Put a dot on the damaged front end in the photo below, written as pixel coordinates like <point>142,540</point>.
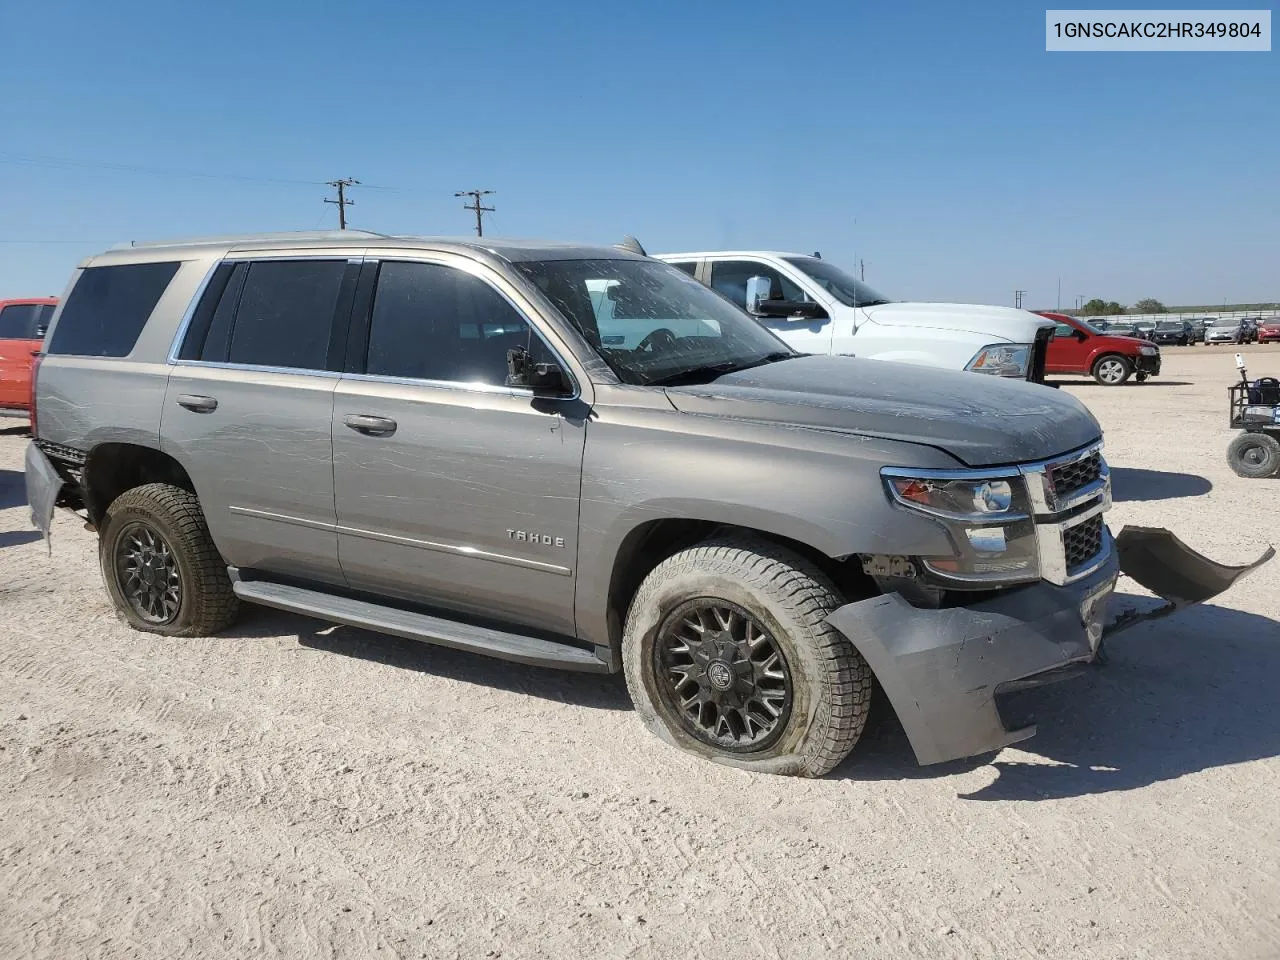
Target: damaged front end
<point>942,665</point>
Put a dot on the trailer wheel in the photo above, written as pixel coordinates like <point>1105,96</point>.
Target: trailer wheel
<point>729,656</point>
<point>1254,455</point>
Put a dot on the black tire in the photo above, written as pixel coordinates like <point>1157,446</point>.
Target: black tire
<point>829,684</point>
<point>167,521</point>
<point>1254,455</point>
<point>1112,369</point>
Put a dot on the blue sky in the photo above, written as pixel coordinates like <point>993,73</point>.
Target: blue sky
<point>938,142</point>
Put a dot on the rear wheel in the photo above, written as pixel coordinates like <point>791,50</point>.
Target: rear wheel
<point>728,655</point>
<point>1254,455</point>
<point>160,565</point>
<point>1112,370</point>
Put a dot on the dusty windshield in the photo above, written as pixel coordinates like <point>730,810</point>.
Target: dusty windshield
<point>652,323</point>
<point>845,288</point>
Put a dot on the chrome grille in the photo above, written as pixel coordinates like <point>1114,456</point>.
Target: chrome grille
<point>1067,478</point>
<point>1082,542</point>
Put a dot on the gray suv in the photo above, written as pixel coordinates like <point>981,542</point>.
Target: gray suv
<point>581,458</point>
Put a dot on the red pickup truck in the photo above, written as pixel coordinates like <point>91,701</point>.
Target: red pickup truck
<point>22,326</point>
<point>1077,348</point>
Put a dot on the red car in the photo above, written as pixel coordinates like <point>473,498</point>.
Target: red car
<point>22,326</point>
<point>1077,348</point>
<point>1269,330</point>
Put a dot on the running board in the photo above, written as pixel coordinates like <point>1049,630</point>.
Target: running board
<point>420,626</point>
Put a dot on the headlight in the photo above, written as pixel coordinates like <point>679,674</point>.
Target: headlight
<point>1149,351</point>
<point>1002,360</point>
<point>988,520</point>
<point>979,500</point>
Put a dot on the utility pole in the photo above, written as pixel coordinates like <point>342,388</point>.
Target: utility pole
<point>1017,298</point>
<point>475,206</point>
<point>1059,307</point>
<point>342,200</point>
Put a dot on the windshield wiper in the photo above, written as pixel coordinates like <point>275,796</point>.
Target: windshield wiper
<point>709,372</point>
<point>874,303</point>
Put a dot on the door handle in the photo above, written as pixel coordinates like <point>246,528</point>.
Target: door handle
<point>370,425</point>
<point>197,404</point>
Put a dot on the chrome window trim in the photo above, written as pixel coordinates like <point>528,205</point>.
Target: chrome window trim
<point>176,346</point>
<point>256,368</point>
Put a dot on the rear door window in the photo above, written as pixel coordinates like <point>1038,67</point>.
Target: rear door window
<point>285,314</point>
<point>108,307</point>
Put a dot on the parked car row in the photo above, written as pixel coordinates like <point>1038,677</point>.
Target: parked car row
<point>584,458</point>
<point>1190,331</point>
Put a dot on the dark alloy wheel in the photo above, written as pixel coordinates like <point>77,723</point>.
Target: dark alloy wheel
<point>722,675</point>
<point>147,573</point>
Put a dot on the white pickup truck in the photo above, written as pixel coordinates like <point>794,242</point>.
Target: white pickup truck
<point>818,308</point>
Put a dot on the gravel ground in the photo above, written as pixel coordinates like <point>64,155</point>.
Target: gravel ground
<point>296,790</point>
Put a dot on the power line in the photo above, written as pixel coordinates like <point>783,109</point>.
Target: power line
<point>475,205</point>
<point>342,200</point>
<point>35,160</point>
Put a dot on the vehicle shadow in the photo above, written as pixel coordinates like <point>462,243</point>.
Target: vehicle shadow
<point>15,431</point>
<point>1137,484</point>
<point>13,489</point>
<point>12,538</point>
<point>1176,696</point>
<point>1090,382</point>
<point>597,691</point>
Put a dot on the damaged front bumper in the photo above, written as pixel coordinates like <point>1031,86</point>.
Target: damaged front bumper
<point>943,668</point>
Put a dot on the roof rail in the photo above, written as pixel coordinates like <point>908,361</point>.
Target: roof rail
<point>250,238</point>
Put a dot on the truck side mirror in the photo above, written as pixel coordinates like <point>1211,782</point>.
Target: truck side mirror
<point>791,309</point>
<point>542,378</point>
<point>757,291</point>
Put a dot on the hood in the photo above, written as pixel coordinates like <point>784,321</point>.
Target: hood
<point>980,420</point>
<point>999,323</point>
<point>1128,338</point>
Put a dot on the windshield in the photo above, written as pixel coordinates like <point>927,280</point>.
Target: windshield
<point>850,292</point>
<point>1101,330</point>
<point>1168,325</point>
<point>652,323</point>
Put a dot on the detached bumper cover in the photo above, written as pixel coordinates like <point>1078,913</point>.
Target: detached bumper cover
<point>43,487</point>
<point>942,669</point>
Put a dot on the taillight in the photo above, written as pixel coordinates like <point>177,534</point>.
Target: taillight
<point>35,371</point>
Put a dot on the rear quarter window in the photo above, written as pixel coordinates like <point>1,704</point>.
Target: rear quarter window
<point>108,307</point>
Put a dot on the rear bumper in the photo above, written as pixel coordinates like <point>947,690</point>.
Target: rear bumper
<point>944,669</point>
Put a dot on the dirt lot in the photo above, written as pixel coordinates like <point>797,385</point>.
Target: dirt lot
<point>296,790</point>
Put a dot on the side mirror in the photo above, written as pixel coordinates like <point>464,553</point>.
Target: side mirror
<point>544,378</point>
<point>1081,335</point>
<point>791,309</point>
<point>757,291</point>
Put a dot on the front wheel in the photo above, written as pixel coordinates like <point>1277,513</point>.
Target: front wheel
<point>728,655</point>
<point>1112,370</point>
<point>160,565</point>
<point>1254,455</point>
